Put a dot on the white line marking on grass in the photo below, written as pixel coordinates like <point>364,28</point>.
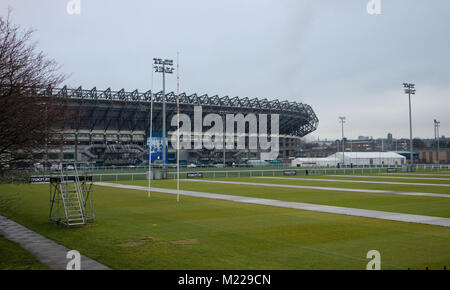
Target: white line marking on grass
<point>395,177</point>
<point>323,187</point>
<point>357,181</point>
<point>410,218</point>
<point>414,174</point>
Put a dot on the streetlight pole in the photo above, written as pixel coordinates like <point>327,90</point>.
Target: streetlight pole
<point>163,66</point>
<point>410,90</point>
<point>343,142</point>
<point>437,124</point>
<point>223,140</point>
<point>435,138</point>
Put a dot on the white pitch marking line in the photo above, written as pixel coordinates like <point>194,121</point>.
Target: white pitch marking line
<point>322,187</point>
<point>395,177</point>
<point>414,174</point>
<point>358,181</point>
<point>410,218</point>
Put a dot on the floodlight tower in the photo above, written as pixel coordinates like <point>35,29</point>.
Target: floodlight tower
<point>163,66</point>
<point>342,120</point>
<point>410,90</point>
<point>437,124</point>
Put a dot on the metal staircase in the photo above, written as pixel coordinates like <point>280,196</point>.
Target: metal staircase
<point>72,198</point>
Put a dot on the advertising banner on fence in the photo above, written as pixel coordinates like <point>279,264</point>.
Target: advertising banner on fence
<point>290,172</point>
<point>194,175</point>
<point>40,179</point>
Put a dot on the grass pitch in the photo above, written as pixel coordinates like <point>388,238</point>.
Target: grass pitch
<point>431,206</point>
<point>134,232</point>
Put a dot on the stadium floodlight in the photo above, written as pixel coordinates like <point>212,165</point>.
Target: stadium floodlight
<point>410,90</point>
<point>164,67</point>
<point>342,120</point>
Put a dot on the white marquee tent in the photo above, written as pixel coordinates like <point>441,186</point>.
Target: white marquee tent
<point>370,158</point>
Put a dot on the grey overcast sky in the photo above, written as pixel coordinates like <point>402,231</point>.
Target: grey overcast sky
<point>329,54</point>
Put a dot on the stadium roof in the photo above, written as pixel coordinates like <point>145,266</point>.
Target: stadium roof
<point>296,118</point>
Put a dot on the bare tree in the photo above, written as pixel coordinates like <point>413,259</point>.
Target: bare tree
<point>27,107</point>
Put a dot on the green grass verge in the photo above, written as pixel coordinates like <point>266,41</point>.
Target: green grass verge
<point>14,257</point>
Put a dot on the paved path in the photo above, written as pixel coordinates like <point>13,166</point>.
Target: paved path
<point>322,187</point>
<point>395,177</point>
<point>411,218</point>
<point>45,250</point>
<point>359,181</point>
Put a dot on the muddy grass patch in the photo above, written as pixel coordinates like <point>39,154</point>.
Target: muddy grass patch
<point>151,239</point>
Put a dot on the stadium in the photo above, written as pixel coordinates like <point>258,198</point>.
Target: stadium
<point>111,127</point>
<point>87,184</point>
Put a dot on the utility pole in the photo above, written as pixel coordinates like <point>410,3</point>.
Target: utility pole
<point>437,124</point>
<point>223,140</point>
<point>342,120</point>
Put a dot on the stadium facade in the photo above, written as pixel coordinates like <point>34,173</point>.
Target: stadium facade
<point>106,127</point>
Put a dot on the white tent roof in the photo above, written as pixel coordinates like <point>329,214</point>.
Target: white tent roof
<point>323,159</point>
<point>357,155</point>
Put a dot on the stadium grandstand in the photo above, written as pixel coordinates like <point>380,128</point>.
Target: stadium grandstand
<point>109,127</point>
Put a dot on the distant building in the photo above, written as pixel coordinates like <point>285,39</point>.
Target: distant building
<point>430,156</point>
